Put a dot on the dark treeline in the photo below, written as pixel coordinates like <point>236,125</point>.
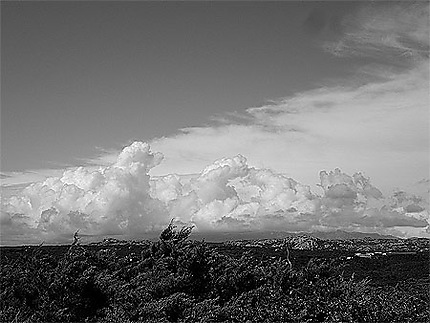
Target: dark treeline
<point>178,280</point>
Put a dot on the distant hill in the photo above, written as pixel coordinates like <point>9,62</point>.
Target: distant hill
<point>345,235</point>
<point>331,235</point>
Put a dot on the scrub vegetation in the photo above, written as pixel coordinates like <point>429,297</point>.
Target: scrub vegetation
<point>179,280</point>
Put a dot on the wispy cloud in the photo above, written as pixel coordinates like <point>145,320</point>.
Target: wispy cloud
<point>27,177</point>
<point>378,118</point>
<point>386,29</point>
<point>378,123</point>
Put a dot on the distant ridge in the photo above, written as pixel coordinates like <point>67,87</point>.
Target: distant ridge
<point>330,235</point>
<point>345,235</point>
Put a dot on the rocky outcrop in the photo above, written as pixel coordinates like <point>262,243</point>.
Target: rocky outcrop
<point>303,242</point>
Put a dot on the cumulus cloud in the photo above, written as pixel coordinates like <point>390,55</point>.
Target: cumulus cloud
<point>351,201</point>
<point>113,199</point>
<point>228,195</point>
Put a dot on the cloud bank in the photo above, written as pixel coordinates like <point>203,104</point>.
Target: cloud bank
<point>227,195</point>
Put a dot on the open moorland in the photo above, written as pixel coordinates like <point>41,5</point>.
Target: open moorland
<point>175,279</point>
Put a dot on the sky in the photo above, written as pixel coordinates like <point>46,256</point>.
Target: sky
<point>283,115</point>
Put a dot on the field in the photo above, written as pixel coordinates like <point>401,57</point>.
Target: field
<point>178,280</point>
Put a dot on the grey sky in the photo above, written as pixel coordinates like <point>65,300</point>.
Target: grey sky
<point>81,75</point>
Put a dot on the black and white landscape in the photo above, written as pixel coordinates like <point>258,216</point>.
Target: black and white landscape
<point>215,161</point>
<point>298,278</point>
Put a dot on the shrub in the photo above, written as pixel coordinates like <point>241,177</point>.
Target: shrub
<point>177,280</point>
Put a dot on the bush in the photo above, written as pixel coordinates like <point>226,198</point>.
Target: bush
<point>177,280</point>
